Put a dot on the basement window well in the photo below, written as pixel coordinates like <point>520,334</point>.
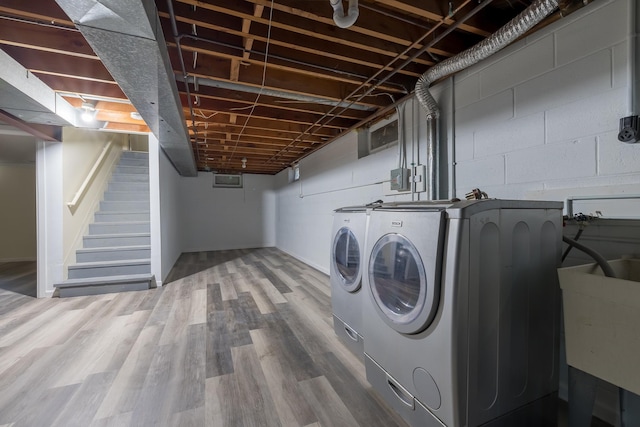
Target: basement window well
<point>227,180</point>
<point>383,137</point>
<point>378,137</point>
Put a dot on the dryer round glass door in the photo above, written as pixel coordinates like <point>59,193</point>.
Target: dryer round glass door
<point>346,259</point>
<point>398,283</point>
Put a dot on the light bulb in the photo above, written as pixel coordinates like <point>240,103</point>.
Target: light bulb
<point>87,116</point>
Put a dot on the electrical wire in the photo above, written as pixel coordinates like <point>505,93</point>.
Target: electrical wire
<point>319,123</point>
<point>262,85</point>
<point>204,116</point>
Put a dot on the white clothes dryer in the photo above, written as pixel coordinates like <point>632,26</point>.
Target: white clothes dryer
<point>347,264</point>
<point>462,311</point>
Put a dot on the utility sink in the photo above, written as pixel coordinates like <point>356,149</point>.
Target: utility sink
<point>602,321</point>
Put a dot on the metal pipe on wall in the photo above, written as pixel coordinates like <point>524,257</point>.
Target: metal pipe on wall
<point>492,44</point>
<point>634,58</point>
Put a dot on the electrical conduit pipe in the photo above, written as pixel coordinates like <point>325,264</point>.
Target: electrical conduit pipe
<point>342,20</point>
<point>515,28</point>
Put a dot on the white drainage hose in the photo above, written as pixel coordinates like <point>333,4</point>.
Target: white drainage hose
<point>342,20</point>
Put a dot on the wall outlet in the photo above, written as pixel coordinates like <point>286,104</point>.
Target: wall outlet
<point>419,178</point>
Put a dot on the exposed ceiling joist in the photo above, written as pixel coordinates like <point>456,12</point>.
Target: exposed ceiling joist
<point>267,84</point>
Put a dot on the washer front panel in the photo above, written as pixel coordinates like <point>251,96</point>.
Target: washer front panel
<point>346,259</point>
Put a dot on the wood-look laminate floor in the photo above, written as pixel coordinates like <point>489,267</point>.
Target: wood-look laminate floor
<point>234,338</point>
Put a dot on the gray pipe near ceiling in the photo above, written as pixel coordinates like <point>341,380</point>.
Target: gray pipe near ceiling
<point>514,29</point>
<point>223,84</point>
<point>128,39</point>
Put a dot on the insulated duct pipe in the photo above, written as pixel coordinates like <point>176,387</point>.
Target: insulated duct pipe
<point>127,36</point>
<point>492,44</point>
<point>342,20</point>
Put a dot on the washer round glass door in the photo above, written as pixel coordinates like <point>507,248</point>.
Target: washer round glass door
<point>346,259</point>
<point>398,283</point>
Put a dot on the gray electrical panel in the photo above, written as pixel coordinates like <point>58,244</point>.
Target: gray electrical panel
<point>400,179</point>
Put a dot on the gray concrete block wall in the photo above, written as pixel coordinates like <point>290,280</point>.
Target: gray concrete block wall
<point>544,112</point>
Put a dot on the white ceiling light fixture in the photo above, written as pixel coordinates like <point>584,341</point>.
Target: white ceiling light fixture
<point>244,163</point>
<point>88,114</point>
<point>135,115</point>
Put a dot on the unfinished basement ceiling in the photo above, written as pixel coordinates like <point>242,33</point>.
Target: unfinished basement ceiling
<point>266,81</point>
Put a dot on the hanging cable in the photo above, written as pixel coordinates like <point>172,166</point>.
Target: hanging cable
<point>322,122</point>
<point>264,77</point>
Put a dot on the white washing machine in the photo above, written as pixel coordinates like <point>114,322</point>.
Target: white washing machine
<point>462,311</point>
<point>347,265</point>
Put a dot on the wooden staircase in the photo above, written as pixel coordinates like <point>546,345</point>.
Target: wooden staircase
<point>116,252</point>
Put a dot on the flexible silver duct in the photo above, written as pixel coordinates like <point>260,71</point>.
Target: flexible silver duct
<point>492,44</point>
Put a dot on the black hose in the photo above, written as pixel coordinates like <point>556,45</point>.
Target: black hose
<point>602,262</point>
<point>577,236</point>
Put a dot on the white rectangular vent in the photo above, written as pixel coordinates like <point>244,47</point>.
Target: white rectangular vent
<point>384,136</point>
<point>227,180</point>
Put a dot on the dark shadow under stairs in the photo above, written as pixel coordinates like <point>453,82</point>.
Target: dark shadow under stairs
<point>116,252</point>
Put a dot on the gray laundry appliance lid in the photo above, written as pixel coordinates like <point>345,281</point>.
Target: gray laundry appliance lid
<point>352,209</point>
<point>466,208</point>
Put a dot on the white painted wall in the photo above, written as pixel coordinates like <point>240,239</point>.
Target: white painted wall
<point>170,207</point>
<point>334,177</point>
<point>537,120</point>
<point>18,214</point>
<point>226,218</point>
<point>49,205</point>
<point>330,178</point>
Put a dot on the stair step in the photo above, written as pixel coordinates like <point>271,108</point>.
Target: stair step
<point>134,170</point>
<point>116,252</point>
<point>129,177</point>
<point>108,240</point>
<point>124,206</point>
<point>135,155</point>
<point>98,228</point>
<point>129,186</point>
<point>132,161</point>
<point>109,268</point>
<point>113,253</point>
<point>121,216</point>
<point>130,196</point>
<point>104,285</point>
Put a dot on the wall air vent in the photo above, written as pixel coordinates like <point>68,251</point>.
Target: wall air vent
<point>227,180</point>
<point>378,137</point>
<point>384,136</point>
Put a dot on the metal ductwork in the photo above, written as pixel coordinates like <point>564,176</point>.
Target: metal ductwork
<point>27,98</point>
<point>241,87</point>
<point>514,29</point>
<point>128,38</point>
